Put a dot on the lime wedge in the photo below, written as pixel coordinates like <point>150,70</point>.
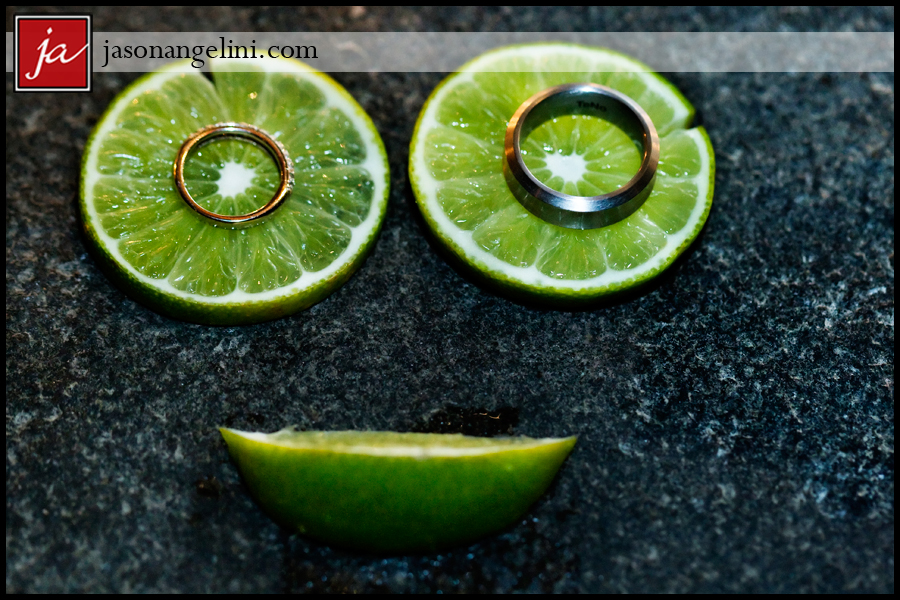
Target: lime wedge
<point>161,251</point>
<point>456,170</point>
<point>394,492</point>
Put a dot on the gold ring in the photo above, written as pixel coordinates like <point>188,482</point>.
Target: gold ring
<point>247,132</point>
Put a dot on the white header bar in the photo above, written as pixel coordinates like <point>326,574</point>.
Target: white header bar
<point>724,52</point>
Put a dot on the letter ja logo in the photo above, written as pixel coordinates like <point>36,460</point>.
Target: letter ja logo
<point>53,53</point>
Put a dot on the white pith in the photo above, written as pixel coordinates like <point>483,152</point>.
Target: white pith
<point>568,167</point>
<point>375,163</point>
<point>234,179</point>
<point>531,275</point>
<point>411,451</point>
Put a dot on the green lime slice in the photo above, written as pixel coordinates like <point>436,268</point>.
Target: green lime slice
<point>167,256</point>
<point>394,492</point>
<point>456,169</point>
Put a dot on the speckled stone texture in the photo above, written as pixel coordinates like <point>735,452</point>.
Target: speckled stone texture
<point>735,422</point>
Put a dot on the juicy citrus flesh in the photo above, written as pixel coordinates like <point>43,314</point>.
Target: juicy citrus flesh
<point>170,257</point>
<point>456,165</point>
<point>394,492</point>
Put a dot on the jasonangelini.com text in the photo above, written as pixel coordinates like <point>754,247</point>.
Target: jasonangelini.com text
<point>197,53</point>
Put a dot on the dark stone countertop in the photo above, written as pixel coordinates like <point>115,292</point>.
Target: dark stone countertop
<point>735,422</point>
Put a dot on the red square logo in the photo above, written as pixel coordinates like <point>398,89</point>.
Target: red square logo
<point>53,53</point>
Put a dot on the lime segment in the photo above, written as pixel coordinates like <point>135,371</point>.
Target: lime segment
<point>457,174</point>
<point>394,492</point>
<point>165,254</point>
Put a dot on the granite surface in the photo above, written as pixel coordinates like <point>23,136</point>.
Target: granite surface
<point>735,421</point>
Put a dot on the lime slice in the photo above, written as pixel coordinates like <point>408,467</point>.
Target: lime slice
<point>456,169</point>
<point>167,256</point>
<point>394,492</point>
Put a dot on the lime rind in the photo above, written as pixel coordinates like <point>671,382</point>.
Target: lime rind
<point>394,492</point>
<point>236,305</point>
<point>528,271</point>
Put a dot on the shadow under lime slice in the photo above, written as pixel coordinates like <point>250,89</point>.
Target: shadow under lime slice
<point>394,492</point>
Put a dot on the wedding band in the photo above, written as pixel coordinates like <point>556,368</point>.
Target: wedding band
<point>582,212</point>
<point>247,132</point>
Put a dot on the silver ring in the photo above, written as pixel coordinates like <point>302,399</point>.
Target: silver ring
<point>247,132</point>
<point>581,212</point>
